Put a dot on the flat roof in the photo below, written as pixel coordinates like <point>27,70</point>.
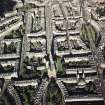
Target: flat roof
<point>84,99</point>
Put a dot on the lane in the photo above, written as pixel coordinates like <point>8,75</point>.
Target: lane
<point>49,35</point>
<point>24,43</point>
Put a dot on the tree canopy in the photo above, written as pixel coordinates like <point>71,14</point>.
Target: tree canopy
<point>6,5</point>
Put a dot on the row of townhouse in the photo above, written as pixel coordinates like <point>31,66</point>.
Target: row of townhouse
<point>79,67</point>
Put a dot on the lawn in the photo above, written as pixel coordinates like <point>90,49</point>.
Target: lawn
<point>59,67</point>
<point>59,64</point>
<point>54,95</point>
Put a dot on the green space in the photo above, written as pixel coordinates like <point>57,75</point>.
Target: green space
<point>6,69</point>
<point>59,67</point>
<point>90,36</point>
<point>6,6</point>
<point>63,45</point>
<point>59,64</point>
<point>36,47</point>
<point>11,48</point>
<point>16,33</point>
<point>33,63</point>
<point>54,95</point>
<point>100,11</point>
<point>7,99</point>
<point>26,94</point>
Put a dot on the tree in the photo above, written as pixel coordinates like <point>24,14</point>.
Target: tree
<point>32,59</point>
<point>98,10</point>
<point>26,60</point>
<point>5,48</point>
<point>12,48</point>
<point>1,68</point>
<point>6,5</point>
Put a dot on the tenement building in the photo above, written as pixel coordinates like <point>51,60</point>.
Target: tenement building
<point>52,52</point>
